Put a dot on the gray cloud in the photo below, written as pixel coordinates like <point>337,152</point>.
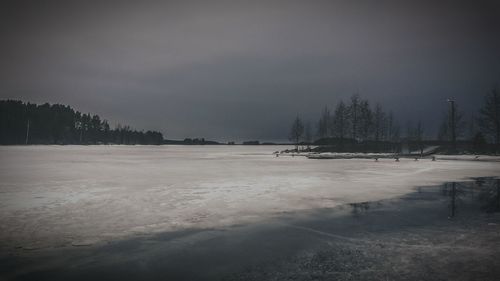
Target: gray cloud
<point>243,69</point>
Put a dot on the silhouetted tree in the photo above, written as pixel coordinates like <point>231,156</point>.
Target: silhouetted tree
<point>324,123</point>
<point>379,123</point>
<point>419,135</point>
<point>308,138</point>
<point>443,132</point>
<point>354,115</point>
<point>365,120</point>
<point>340,122</point>
<point>472,128</point>
<point>453,125</point>
<point>392,128</point>
<point>296,132</point>
<point>489,119</point>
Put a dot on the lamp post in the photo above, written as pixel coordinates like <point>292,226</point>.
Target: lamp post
<point>453,125</point>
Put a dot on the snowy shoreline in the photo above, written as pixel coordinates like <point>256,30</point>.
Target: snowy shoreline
<point>356,155</point>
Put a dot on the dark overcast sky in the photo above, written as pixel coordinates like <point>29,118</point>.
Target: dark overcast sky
<point>236,70</point>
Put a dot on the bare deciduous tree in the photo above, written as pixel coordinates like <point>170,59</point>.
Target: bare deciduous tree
<point>308,138</point>
<point>296,132</point>
<point>419,136</point>
<point>354,115</point>
<point>453,125</point>
<point>365,120</point>
<point>392,128</point>
<point>324,123</point>
<point>379,123</point>
<point>489,120</point>
<point>340,122</point>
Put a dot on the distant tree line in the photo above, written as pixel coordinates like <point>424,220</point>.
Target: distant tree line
<point>357,125</point>
<point>190,141</point>
<point>28,123</point>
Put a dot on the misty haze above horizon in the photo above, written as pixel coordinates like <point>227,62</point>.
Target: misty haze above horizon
<point>240,70</point>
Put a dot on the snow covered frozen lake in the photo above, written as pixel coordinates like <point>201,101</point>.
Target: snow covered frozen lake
<point>58,196</point>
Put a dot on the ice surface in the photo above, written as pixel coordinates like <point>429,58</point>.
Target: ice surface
<point>54,196</point>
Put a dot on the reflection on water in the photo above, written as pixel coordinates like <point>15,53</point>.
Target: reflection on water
<point>456,192</point>
<point>490,196</point>
<point>360,208</point>
<point>484,192</point>
<point>479,195</point>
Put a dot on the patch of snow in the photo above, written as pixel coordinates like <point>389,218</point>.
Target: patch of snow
<point>82,195</point>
